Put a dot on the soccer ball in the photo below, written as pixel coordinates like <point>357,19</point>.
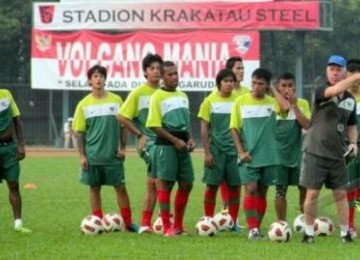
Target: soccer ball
<point>279,231</point>
<point>113,222</point>
<point>299,224</point>
<point>323,226</point>
<point>91,225</point>
<point>158,225</point>
<point>223,221</point>
<point>206,227</point>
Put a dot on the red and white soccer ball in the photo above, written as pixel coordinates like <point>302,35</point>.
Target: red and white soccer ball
<point>299,224</point>
<point>158,225</point>
<point>223,221</point>
<point>113,222</point>
<point>279,231</point>
<point>91,225</point>
<point>323,226</point>
<point>206,227</point>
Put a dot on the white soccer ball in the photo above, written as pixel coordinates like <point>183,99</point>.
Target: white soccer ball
<point>206,227</point>
<point>299,224</point>
<point>323,226</point>
<point>91,225</point>
<point>113,222</point>
<point>223,221</point>
<point>279,231</point>
<point>158,225</point>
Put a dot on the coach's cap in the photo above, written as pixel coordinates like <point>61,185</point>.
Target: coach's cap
<point>337,60</point>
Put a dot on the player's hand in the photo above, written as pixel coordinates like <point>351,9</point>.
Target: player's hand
<point>84,163</point>
<point>191,145</point>
<point>354,150</point>
<point>20,153</point>
<point>209,160</point>
<point>180,145</point>
<point>121,153</point>
<point>293,99</point>
<point>244,156</point>
<point>141,143</point>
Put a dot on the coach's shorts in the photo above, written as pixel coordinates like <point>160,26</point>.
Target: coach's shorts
<point>265,176</point>
<point>147,155</point>
<point>9,164</point>
<point>172,165</point>
<point>287,175</point>
<point>354,173</point>
<point>317,171</point>
<point>97,175</point>
<point>225,169</point>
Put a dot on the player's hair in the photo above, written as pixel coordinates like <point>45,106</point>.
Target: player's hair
<point>287,76</point>
<point>149,59</point>
<point>167,63</point>
<point>231,62</point>
<point>262,73</point>
<point>97,68</point>
<point>353,65</point>
<point>224,73</point>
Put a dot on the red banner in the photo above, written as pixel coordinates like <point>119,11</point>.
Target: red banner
<point>61,60</point>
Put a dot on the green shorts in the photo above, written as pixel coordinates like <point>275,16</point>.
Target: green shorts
<point>225,169</point>
<point>172,165</point>
<point>9,164</point>
<point>265,176</point>
<point>97,175</point>
<point>354,173</point>
<point>287,175</point>
<point>147,154</point>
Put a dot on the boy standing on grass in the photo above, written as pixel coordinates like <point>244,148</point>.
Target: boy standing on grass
<point>133,116</point>
<point>101,154</point>
<point>220,162</point>
<point>11,153</point>
<point>169,119</point>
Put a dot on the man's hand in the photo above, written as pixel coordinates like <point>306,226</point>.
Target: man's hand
<point>209,160</point>
<point>245,156</point>
<point>354,149</point>
<point>84,163</point>
<point>121,153</point>
<point>191,145</point>
<point>141,143</point>
<point>20,153</point>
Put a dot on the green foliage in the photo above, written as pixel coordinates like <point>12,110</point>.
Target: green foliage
<point>55,209</point>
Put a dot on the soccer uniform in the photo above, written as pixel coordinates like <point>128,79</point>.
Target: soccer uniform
<point>216,110</point>
<point>170,110</point>
<point>237,92</point>
<point>136,108</point>
<point>289,141</point>
<point>96,119</point>
<point>324,144</point>
<point>354,166</point>
<point>9,164</point>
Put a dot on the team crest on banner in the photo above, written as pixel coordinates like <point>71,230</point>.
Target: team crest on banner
<point>47,13</point>
<point>43,41</point>
<point>243,43</point>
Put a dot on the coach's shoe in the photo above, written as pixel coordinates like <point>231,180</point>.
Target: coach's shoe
<point>132,228</point>
<point>23,230</point>
<point>347,238</point>
<point>353,233</point>
<point>308,239</point>
<point>145,229</point>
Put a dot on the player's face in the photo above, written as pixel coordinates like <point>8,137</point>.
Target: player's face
<point>286,88</point>
<point>97,80</point>
<point>258,87</point>
<point>227,85</point>
<point>238,70</point>
<point>153,72</point>
<point>170,77</point>
<point>335,74</point>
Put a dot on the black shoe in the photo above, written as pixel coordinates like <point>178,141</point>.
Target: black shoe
<point>347,238</point>
<point>308,239</point>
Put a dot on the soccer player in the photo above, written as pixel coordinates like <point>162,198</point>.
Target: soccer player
<point>220,162</point>
<point>101,153</point>
<point>169,119</point>
<point>353,193</point>
<point>252,125</point>
<point>289,127</point>
<point>333,120</point>
<point>133,115</point>
<point>12,150</point>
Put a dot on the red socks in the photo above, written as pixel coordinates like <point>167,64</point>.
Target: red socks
<point>209,202</point>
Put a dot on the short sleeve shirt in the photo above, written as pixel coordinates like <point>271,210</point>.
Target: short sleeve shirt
<point>8,110</point>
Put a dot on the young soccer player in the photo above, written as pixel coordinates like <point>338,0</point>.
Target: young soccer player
<point>101,153</point>
<point>169,119</point>
<point>133,115</point>
<point>220,162</point>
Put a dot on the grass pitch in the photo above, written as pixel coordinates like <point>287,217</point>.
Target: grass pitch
<point>56,207</point>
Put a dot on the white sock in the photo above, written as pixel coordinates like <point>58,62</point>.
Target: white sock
<point>18,223</point>
<point>309,230</point>
<point>344,230</point>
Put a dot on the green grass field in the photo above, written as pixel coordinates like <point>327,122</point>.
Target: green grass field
<point>55,209</point>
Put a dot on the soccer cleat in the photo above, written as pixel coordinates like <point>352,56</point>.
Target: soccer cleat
<point>145,229</point>
<point>23,230</point>
<point>172,232</point>
<point>236,228</point>
<point>353,233</point>
<point>132,228</point>
<point>308,239</point>
<point>254,234</point>
<point>347,238</point>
